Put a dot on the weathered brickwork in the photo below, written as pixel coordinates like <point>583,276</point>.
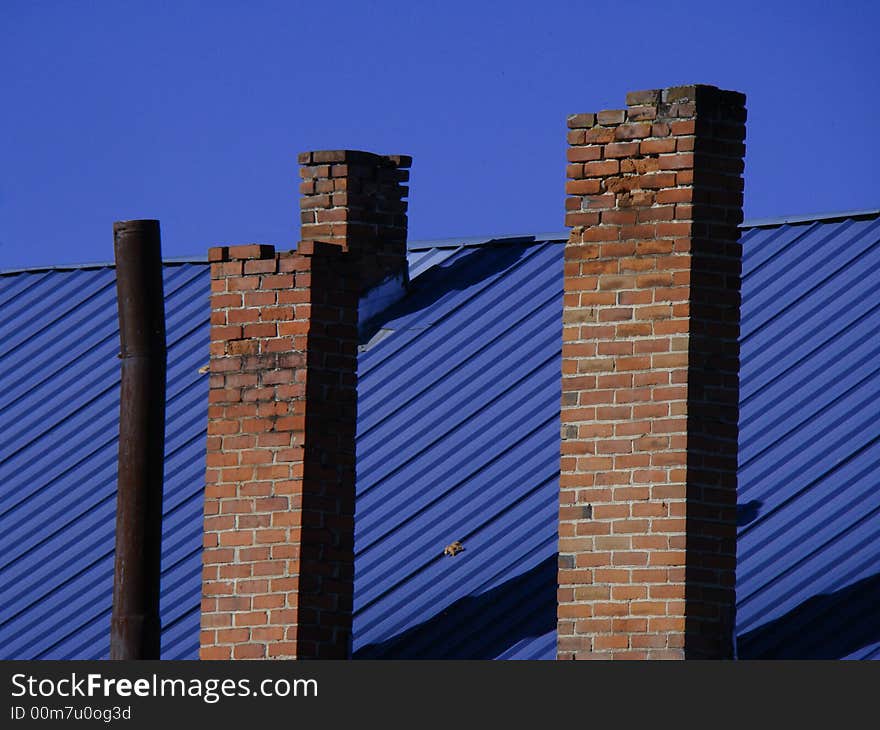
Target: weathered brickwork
<point>279,497</point>
<point>356,200</point>
<point>650,377</point>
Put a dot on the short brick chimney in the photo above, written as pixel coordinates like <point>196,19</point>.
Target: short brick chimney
<point>650,377</point>
<point>279,496</point>
<point>355,200</point>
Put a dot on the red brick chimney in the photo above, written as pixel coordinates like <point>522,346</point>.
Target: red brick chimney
<point>650,377</point>
<point>279,496</point>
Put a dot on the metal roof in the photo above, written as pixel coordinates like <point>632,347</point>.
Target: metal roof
<point>458,439</point>
<point>474,344</point>
<point>59,383</point>
<point>808,573</point>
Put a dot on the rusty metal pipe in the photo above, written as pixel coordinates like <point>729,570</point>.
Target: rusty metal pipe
<point>134,625</point>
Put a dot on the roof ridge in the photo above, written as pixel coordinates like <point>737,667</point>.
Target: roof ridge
<point>470,241</point>
<point>814,218</point>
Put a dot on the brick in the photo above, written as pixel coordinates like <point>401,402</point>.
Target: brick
<point>612,641</point>
<point>611,116</point>
<point>601,168</point>
<point>599,135</point>
<point>632,131</point>
<point>209,652</point>
<point>657,146</point>
<point>584,154</point>
<point>250,618</point>
<point>675,195</point>
<point>581,219</point>
<point>677,162</point>
<point>683,128</point>
<point>242,283</point>
<point>637,98</point>
<point>644,112</point>
<point>581,121</point>
<point>260,266</point>
<point>582,187</point>
<point>621,149</point>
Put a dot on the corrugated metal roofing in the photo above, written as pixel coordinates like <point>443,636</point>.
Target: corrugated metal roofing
<point>473,345</point>
<point>457,440</point>
<point>808,577</point>
<point>59,396</point>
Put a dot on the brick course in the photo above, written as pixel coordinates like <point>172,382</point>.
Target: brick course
<point>650,377</point>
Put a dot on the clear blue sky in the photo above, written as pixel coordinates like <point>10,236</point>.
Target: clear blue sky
<point>193,112</point>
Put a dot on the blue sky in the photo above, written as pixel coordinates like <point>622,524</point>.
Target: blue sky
<point>193,112</point>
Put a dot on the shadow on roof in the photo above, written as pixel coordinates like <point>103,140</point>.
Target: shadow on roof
<point>521,609</point>
<point>829,626</point>
<point>459,272</point>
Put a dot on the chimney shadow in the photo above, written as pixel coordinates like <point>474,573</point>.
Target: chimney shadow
<point>469,267</point>
<point>827,626</point>
<point>748,512</point>
<point>482,626</point>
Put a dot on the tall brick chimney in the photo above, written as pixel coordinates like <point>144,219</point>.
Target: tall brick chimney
<point>650,377</point>
<point>279,496</point>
